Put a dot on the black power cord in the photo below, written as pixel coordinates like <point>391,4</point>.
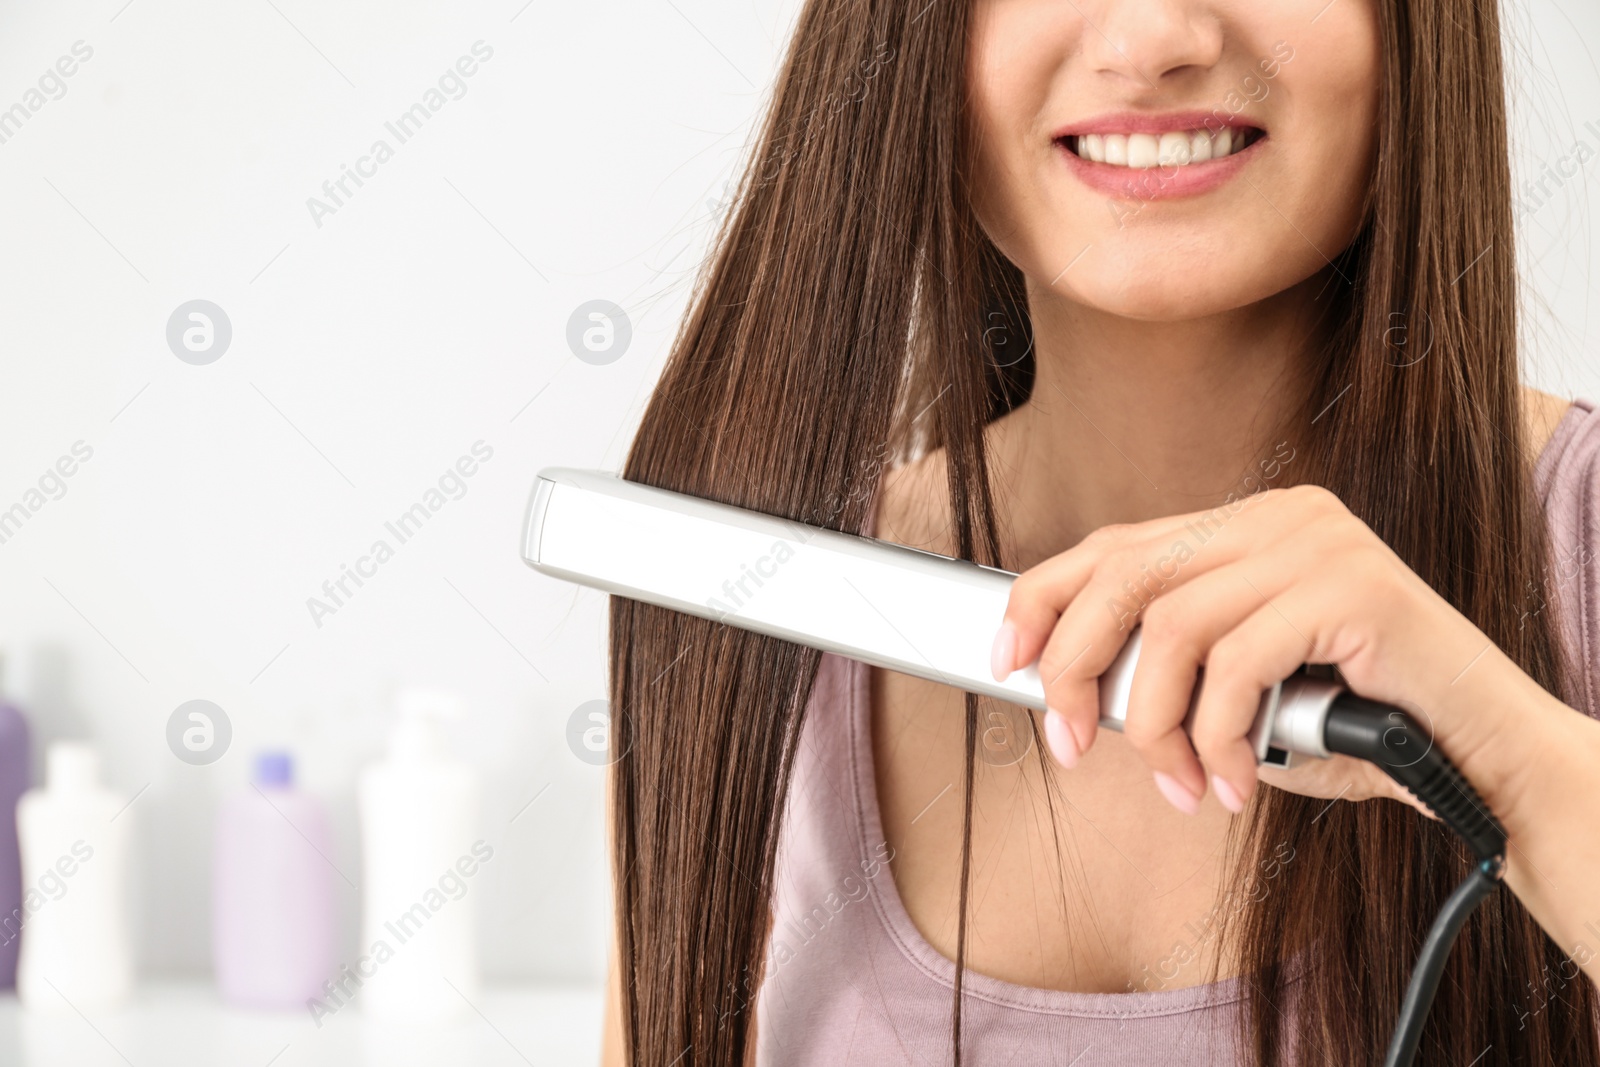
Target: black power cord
<point>1389,738</point>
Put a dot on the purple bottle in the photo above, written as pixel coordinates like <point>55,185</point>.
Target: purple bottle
<point>13,783</point>
<point>272,930</point>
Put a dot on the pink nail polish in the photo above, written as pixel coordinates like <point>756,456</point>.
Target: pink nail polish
<point>1227,794</point>
<point>1003,656</point>
<point>1177,794</point>
<point>1058,735</point>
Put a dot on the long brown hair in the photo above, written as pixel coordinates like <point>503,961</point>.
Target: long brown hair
<point>853,311</point>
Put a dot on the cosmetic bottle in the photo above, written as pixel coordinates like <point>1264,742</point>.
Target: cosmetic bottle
<point>419,811</point>
<point>272,918</point>
<point>76,950</point>
<point>14,777</point>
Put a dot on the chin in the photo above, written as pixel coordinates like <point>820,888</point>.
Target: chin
<point>1156,278</point>
<point>1143,301</point>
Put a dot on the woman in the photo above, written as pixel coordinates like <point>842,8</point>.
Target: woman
<point>1062,287</point>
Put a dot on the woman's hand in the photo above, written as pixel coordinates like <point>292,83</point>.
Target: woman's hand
<point>1253,589</point>
<point>1250,591</point>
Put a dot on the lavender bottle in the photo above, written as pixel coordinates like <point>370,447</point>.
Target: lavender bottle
<point>272,901</point>
<point>14,766</point>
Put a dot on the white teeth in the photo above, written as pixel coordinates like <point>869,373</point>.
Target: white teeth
<point>1142,151</point>
<point>1173,148</point>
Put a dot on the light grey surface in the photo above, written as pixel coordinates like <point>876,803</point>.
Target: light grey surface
<point>177,1024</point>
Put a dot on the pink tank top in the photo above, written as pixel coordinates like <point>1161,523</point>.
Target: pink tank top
<point>850,980</point>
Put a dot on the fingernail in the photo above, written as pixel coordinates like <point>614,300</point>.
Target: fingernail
<point>1003,656</point>
<point>1058,735</point>
<point>1177,795</point>
<point>1227,794</point>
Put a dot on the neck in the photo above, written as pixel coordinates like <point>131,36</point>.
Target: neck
<point>1132,420</point>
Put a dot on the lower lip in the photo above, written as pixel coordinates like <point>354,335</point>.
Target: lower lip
<point>1162,181</point>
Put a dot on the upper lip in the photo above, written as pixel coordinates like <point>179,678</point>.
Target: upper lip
<point>1165,122</point>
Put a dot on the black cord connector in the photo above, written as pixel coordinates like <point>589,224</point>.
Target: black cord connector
<point>1391,739</point>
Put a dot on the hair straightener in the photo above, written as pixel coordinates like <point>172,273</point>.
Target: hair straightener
<point>935,617</point>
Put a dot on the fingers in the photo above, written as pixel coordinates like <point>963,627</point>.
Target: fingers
<point>1260,651</point>
<point>1036,603</point>
<point>1123,568</point>
<point>1188,616</point>
<point>1217,644</point>
<point>1205,599</point>
<point>1177,636</point>
<point>1072,695</point>
<point>1040,594</point>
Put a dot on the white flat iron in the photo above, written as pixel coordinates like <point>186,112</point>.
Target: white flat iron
<point>894,607</point>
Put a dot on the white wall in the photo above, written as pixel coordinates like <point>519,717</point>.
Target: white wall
<point>1554,82</point>
<point>585,160</point>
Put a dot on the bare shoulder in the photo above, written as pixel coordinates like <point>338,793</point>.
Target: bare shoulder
<point>1541,414</point>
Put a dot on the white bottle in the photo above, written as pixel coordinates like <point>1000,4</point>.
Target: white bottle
<point>421,850</point>
<point>74,835</point>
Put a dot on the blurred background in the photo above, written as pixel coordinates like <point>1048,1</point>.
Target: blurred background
<point>362,341</point>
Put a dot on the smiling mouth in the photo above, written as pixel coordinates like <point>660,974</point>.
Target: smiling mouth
<point>1175,148</point>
